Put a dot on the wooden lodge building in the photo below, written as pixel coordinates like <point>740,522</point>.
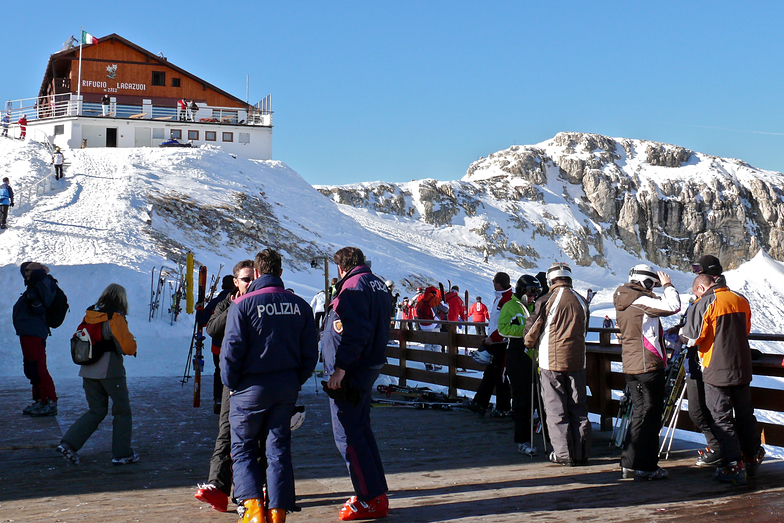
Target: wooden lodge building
<point>144,90</point>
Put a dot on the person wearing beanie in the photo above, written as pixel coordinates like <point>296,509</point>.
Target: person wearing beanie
<point>29,318</point>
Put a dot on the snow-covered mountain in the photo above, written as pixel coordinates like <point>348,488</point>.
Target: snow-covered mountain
<point>120,212</point>
<point>587,193</point>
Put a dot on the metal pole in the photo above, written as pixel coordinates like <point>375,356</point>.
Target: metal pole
<point>79,86</point>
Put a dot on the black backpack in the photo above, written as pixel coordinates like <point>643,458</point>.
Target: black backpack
<point>55,314</point>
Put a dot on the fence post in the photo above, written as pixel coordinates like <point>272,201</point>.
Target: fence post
<point>599,368</point>
<point>401,338</point>
<point>452,358</point>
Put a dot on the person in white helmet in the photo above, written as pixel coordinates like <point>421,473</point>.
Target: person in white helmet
<point>638,311</point>
<point>557,327</point>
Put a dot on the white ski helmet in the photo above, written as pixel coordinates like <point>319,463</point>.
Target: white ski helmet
<point>645,276</point>
<point>482,357</point>
<point>558,270</point>
<point>389,283</point>
<point>298,418</point>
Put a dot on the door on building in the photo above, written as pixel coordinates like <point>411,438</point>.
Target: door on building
<point>111,137</point>
<point>143,137</point>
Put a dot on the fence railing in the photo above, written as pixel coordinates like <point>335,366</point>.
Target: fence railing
<point>42,108</point>
<point>38,187</point>
<point>602,380</point>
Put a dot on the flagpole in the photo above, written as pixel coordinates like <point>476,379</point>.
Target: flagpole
<point>79,86</point>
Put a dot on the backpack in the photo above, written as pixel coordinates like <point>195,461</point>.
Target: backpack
<point>88,343</point>
<point>55,313</point>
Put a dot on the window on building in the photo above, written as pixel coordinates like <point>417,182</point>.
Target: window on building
<point>244,138</point>
<point>158,78</point>
<point>176,134</point>
<point>210,136</point>
<point>193,135</point>
<point>228,137</point>
<point>175,82</point>
<point>157,134</point>
<point>59,129</point>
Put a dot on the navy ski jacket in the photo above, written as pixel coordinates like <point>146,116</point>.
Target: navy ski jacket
<point>357,328</point>
<point>29,313</point>
<point>268,330</point>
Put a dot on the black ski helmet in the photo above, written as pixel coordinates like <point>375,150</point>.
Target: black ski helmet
<point>526,282</point>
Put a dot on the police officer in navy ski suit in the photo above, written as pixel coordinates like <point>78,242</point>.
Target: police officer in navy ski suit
<point>270,348</point>
<point>354,343</point>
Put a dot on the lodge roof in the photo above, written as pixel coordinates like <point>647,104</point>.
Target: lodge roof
<point>117,38</point>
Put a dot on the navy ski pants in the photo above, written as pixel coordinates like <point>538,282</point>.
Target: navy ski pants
<point>262,412</point>
<point>355,440</point>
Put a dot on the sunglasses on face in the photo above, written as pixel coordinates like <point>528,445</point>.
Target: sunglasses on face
<point>246,279</point>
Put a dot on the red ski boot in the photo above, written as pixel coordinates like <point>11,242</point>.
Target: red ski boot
<point>209,493</point>
<point>375,508</point>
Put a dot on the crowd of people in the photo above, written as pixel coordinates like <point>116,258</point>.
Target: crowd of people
<point>265,343</point>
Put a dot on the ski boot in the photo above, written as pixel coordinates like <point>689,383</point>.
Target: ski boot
<point>47,408</point>
<point>127,460</point>
<point>276,515</point>
<point>653,475</point>
<point>753,463</point>
<point>708,458</point>
<point>68,453</point>
<point>734,472</point>
<point>34,405</point>
<point>377,507</point>
<point>527,449</point>
<point>209,493</point>
<point>252,511</point>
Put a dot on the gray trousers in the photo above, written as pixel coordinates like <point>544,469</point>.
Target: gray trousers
<point>98,393</point>
<point>564,395</point>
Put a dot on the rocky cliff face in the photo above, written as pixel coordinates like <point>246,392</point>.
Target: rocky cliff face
<point>583,193</point>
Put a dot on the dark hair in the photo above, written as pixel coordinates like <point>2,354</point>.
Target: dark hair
<point>227,283</point>
<point>268,261</point>
<point>349,257</point>
<point>244,264</point>
<point>5,179</point>
<point>502,279</point>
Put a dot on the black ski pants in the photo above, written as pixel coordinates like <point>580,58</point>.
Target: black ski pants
<point>493,379</point>
<point>699,412</point>
<point>217,384</point>
<point>519,368</point>
<point>641,448</point>
<point>738,435</point>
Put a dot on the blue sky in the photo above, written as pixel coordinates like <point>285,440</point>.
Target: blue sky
<point>403,90</point>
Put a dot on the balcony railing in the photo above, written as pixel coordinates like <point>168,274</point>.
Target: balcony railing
<point>60,106</point>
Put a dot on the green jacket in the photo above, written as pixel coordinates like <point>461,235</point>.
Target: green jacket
<point>511,321</point>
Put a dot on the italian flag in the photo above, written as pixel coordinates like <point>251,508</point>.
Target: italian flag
<point>87,38</point>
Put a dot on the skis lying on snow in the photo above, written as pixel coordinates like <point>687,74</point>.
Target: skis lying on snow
<point>418,397</point>
<point>418,404</point>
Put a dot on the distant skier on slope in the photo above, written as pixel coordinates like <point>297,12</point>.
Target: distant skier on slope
<point>6,201</point>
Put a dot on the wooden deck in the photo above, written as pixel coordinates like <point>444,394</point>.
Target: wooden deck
<point>441,466</point>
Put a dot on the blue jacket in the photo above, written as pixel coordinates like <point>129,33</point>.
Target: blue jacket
<point>30,309</point>
<point>357,328</point>
<point>6,194</point>
<point>268,330</point>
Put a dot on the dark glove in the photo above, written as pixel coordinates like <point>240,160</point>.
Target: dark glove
<point>346,392</point>
<point>12,204</point>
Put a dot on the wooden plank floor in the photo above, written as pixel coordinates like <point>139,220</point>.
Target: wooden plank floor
<point>441,466</point>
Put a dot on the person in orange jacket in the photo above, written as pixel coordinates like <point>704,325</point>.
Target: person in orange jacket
<point>105,379</point>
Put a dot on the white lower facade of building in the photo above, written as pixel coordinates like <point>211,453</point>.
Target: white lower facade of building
<point>74,132</point>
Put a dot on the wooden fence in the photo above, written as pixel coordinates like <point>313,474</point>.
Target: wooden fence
<point>601,378</point>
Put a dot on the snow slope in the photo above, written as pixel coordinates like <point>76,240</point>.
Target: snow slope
<point>93,229</point>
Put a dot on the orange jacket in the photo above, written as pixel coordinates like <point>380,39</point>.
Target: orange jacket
<point>118,326</point>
